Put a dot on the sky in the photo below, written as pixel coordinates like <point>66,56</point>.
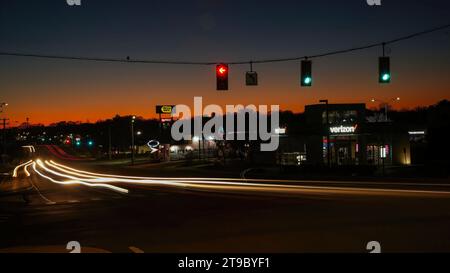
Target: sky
<point>48,91</point>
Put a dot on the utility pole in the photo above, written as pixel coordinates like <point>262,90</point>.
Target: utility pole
<point>5,123</point>
<point>109,142</point>
<point>132,139</point>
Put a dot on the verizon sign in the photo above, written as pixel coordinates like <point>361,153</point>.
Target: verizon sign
<point>343,129</point>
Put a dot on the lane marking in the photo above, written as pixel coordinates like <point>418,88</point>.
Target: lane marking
<point>49,202</point>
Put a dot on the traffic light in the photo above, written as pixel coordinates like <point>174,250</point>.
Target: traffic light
<point>251,78</point>
<point>222,76</point>
<point>384,70</point>
<point>90,143</point>
<point>306,73</point>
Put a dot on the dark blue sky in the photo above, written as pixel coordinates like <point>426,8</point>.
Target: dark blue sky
<point>212,31</point>
<point>208,29</point>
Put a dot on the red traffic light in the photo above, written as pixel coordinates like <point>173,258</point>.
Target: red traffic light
<point>222,69</point>
<point>222,76</point>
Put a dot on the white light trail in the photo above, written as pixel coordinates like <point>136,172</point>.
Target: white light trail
<point>98,179</point>
<point>228,184</point>
<point>222,184</point>
<point>19,166</point>
<point>27,173</point>
<point>76,182</point>
<point>195,179</point>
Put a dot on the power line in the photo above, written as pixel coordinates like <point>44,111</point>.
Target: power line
<point>169,62</point>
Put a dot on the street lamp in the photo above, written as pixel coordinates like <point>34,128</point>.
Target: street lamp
<point>385,104</point>
<point>133,119</point>
<point>328,132</point>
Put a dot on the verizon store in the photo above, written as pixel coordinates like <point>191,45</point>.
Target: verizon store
<point>342,135</point>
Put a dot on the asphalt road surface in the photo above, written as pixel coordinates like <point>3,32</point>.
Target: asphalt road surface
<point>218,215</point>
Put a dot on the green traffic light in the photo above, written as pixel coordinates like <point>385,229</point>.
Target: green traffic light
<point>384,75</point>
<point>307,80</point>
<point>90,143</point>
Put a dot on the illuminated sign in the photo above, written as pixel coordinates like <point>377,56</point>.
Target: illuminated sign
<point>165,109</point>
<point>280,131</point>
<point>416,132</point>
<point>343,129</point>
<point>154,145</point>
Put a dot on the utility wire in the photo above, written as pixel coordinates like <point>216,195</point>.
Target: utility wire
<point>129,60</point>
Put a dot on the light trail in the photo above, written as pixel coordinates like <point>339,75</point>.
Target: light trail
<point>155,181</point>
<point>30,148</point>
<point>27,173</point>
<point>19,166</point>
<point>76,182</point>
<point>228,184</point>
<point>222,184</point>
<point>98,179</point>
<point>93,174</point>
<point>197,179</point>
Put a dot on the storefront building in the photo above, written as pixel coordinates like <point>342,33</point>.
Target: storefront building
<point>340,135</point>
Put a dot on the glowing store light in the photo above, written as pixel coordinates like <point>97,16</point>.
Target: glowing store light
<point>280,131</point>
<point>416,132</point>
<point>383,152</point>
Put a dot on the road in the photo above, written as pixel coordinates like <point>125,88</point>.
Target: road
<point>129,214</point>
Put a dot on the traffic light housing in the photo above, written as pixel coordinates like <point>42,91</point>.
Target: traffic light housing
<point>251,78</point>
<point>306,73</point>
<point>222,76</point>
<point>384,75</point>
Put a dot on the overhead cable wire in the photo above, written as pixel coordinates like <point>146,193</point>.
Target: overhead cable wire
<point>261,61</point>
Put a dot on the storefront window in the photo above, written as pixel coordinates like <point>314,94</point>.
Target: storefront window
<point>343,150</point>
<point>378,154</point>
<point>340,117</point>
